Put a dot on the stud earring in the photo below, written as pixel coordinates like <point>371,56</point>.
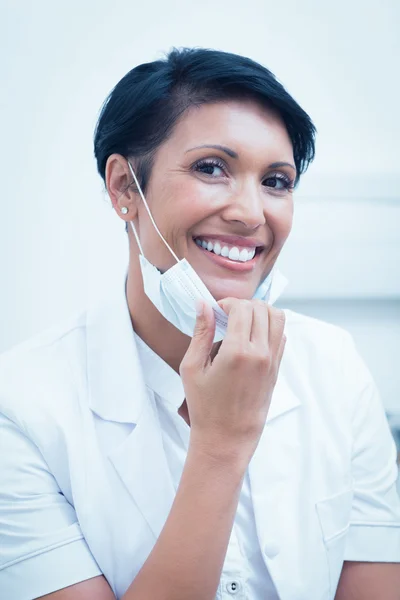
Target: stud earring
<point>124,210</point>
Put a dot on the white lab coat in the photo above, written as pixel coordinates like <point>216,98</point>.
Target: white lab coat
<point>77,419</point>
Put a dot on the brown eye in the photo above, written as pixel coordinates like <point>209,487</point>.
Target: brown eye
<point>212,167</point>
<point>278,182</point>
<point>208,169</point>
<point>271,182</point>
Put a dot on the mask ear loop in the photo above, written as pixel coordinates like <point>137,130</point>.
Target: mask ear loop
<point>151,218</point>
<point>137,239</point>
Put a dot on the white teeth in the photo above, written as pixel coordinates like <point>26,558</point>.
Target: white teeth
<point>217,248</point>
<point>243,255</point>
<point>234,253</point>
<point>225,251</point>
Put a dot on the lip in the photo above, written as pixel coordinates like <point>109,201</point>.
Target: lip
<point>233,240</point>
<point>239,267</point>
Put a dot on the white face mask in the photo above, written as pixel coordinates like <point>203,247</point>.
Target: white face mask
<point>176,292</point>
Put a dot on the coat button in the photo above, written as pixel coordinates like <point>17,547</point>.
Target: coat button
<point>271,550</point>
<point>233,587</point>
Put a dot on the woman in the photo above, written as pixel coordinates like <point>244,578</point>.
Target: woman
<point>152,453</point>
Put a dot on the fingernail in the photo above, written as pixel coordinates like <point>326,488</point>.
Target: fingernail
<point>199,308</point>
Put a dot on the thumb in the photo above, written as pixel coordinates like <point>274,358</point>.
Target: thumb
<point>203,335</point>
<point>226,304</point>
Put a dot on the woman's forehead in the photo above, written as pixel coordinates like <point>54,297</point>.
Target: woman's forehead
<point>241,125</point>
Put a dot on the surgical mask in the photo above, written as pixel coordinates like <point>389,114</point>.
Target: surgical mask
<point>176,292</point>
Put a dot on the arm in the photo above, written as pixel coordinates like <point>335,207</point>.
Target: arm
<point>42,547</point>
<point>187,560</point>
<point>95,588</point>
<point>228,400</point>
<point>369,581</point>
<point>372,559</point>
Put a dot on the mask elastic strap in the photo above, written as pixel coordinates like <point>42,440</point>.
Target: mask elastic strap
<point>151,218</point>
<point>137,238</point>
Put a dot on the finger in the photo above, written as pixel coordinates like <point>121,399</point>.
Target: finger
<point>239,324</point>
<point>226,304</point>
<point>276,328</point>
<point>198,353</point>
<point>281,350</point>
<point>260,327</point>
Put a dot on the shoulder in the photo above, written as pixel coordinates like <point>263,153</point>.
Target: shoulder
<point>327,359</point>
<point>327,345</point>
<point>42,375</point>
<point>315,335</point>
<point>323,360</point>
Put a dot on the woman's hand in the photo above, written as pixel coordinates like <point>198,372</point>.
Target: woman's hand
<point>228,397</point>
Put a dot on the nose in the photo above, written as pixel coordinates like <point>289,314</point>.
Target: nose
<point>247,206</point>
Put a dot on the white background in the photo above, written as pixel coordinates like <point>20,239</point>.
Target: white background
<point>339,59</point>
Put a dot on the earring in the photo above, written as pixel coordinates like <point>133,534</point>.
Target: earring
<point>124,210</point>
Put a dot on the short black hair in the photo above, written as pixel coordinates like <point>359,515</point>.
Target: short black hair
<point>142,109</point>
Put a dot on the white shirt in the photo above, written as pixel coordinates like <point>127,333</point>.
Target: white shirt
<point>88,474</point>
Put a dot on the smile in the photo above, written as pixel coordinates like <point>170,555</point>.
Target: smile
<point>227,251</point>
<point>233,253</point>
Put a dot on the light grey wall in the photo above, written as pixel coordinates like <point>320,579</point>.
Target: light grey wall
<point>343,265</point>
<point>375,325</point>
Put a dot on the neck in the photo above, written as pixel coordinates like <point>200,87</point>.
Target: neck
<point>158,333</point>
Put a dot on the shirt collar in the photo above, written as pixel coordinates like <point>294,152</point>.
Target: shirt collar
<point>159,376</point>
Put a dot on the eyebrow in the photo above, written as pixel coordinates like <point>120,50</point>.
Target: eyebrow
<point>227,151</point>
<point>234,154</point>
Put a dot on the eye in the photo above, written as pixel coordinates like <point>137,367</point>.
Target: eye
<point>211,167</point>
<point>278,181</point>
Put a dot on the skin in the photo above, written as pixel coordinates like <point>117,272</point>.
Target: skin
<point>241,199</point>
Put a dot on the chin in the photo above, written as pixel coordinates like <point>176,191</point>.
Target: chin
<point>220,290</point>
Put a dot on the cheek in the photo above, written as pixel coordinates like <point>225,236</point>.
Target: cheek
<point>175,211</point>
<point>280,221</point>
<point>189,203</point>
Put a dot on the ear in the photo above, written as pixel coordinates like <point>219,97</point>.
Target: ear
<point>118,182</point>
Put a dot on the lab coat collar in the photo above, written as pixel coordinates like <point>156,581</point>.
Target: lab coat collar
<point>116,386</point>
<point>160,377</point>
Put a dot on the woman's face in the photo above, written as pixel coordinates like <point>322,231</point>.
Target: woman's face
<point>222,180</point>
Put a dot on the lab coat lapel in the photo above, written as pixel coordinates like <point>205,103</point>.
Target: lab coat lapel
<point>141,463</point>
<point>283,399</point>
<point>118,393</point>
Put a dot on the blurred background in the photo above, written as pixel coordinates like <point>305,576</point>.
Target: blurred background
<point>58,233</point>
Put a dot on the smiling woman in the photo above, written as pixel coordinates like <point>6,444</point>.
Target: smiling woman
<point>217,132</point>
<point>183,438</point>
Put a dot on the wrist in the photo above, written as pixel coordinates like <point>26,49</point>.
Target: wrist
<point>220,455</point>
